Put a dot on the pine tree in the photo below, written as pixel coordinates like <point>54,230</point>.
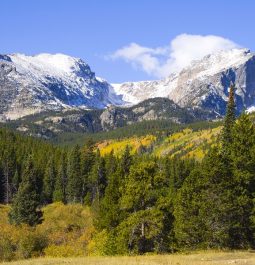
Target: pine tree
<point>8,171</point>
<point>75,181</point>
<point>48,181</point>
<point>87,156</point>
<point>110,213</point>
<point>59,193</point>
<point>139,196</point>
<point>189,229</point>
<point>87,161</point>
<point>111,164</point>
<point>16,181</point>
<point>203,206</point>
<point>229,122</point>
<point>97,180</point>
<point>26,202</point>
<point>243,186</point>
<point>126,162</point>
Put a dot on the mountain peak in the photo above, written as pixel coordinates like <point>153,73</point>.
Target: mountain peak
<point>49,82</point>
<point>58,61</point>
<point>221,60</point>
<point>51,64</point>
<point>204,83</point>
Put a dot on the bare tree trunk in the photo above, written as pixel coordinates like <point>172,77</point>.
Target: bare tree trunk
<point>142,229</point>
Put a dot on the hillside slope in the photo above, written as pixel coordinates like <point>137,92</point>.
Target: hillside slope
<point>186,143</point>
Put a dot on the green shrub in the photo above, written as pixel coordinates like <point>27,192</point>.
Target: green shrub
<point>31,244</point>
<point>7,249</point>
<point>102,244</point>
<point>63,251</point>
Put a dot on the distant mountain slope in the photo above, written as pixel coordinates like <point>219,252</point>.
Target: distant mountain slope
<point>51,124</point>
<point>31,84</point>
<point>203,84</point>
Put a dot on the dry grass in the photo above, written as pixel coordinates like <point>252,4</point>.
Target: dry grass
<point>207,258</point>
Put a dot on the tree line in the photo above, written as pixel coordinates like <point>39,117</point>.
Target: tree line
<point>141,203</point>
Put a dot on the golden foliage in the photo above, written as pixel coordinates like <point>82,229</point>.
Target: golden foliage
<point>65,231</point>
<point>188,143</point>
<point>118,146</point>
<point>97,244</point>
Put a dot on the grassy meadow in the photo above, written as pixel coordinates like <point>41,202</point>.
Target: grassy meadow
<point>206,258</point>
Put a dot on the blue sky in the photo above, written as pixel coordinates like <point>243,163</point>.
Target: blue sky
<point>94,30</point>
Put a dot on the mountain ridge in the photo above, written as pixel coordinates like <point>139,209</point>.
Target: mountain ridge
<point>32,84</point>
<point>204,83</point>
<point>46,82</point>
<point>52,124</point>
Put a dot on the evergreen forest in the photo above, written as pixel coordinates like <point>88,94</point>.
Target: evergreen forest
<point>62,201</point>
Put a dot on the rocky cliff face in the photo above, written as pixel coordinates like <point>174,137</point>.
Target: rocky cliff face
<point>151,109</point>
<point>204,84</point>
<point>53,123</point>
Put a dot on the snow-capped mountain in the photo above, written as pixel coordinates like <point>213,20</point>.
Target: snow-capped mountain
<point>204,83</point>
<point>46,82</point>
<point>31,84</point>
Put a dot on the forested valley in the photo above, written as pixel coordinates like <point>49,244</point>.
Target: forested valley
<point>60,201</point>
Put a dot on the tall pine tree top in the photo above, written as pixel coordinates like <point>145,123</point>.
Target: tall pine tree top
<point>229,118</point>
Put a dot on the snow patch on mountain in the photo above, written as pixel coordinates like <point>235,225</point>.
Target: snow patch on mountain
<point>42,64</point>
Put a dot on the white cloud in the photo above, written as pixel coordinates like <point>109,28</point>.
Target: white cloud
<point>162,61</point>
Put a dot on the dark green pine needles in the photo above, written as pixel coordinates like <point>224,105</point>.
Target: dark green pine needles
<point>26,201</point>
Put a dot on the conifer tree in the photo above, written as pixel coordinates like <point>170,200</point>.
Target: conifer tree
<point>87,161</point>
<point>214,207</point>
<point>59,193</point>
<point>203,206</point>
<point>97,179</point>
<point>110,213</point>
<point>243,186</point>
<point>48,181</point>
<point>16,181</point>
<point>139,195</point>
<point>111,164</point>
<point>126,161</point>
<point>8,173</point>
<point>229,121</point>
<point>87,156</point>
<point>26,202</point>
<point>188,227</point>
<point>75,181</point>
